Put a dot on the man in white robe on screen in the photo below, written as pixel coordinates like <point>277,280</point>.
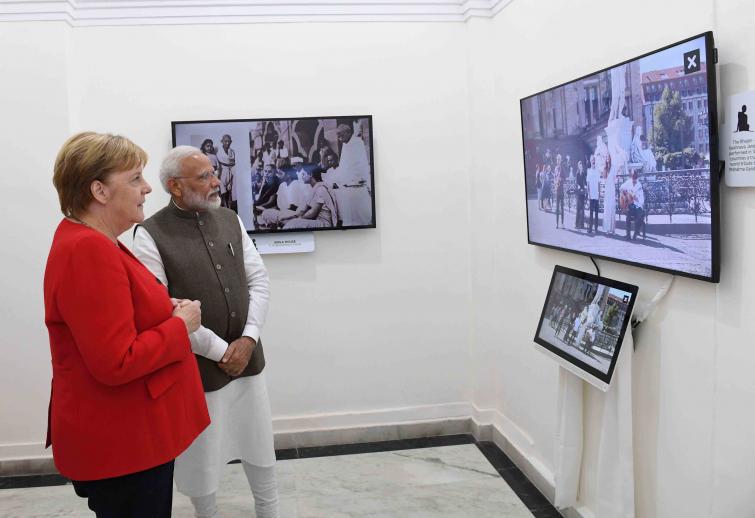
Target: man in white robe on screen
<point>352,177</point>
<point>200,250</point>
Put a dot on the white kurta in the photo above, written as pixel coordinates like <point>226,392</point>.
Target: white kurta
<point>353,178</point>
<point>241,420</point>
<point>226,171</point>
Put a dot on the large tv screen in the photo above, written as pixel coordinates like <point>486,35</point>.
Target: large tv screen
<point>290,175</point>
<point>623,163</point>
<point>583,322</point>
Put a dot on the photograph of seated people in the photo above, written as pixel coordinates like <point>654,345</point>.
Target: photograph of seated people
<point>329,186</point>
<point>121,354</point>
<point>271,181</point>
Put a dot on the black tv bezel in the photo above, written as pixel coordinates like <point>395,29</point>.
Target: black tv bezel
<point>611,283</point>
<point>173,125</point>
<point>715,199</point>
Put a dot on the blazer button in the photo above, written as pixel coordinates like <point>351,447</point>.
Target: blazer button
<point>218,267</point>
<point>211,243</point>
<point>233,313</point>
<point>227,290</point>
<point>201,223</point>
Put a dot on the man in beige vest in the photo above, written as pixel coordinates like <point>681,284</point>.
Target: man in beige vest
<point>201,251</point>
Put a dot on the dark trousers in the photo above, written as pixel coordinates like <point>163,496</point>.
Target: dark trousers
<point>560,207</point>
<point>147,493</point>
<point>635,214</point>
<point>593,215</point>
<point>579,222</point>
<point>561,324</point>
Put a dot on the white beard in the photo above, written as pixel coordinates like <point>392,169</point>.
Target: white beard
<point>194,201</point>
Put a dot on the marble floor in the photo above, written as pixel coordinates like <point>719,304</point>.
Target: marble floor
<point>456,480</point>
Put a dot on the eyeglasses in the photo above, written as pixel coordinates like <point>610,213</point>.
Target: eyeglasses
<point>203,178</point>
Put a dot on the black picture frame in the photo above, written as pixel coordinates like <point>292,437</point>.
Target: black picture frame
<point>175,124</point>
<point>610,283</point>
<point>714,173</point>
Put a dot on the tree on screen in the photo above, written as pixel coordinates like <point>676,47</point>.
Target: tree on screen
<point>672,128</point>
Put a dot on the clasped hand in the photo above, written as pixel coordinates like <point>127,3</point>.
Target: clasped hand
<point>237,356</point>
<point>189,311</point>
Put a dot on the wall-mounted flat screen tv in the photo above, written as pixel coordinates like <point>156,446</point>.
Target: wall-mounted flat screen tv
<point>583,323</point>
<point>290,175</point>
<point>622,163</point>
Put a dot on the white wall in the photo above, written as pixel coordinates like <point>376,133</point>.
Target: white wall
<point>34,108</point>
<point>693,386</point>
<point>373,321</point>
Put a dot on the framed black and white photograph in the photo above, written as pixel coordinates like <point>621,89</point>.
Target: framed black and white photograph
<point>290,175</point>
<point>583,322</point>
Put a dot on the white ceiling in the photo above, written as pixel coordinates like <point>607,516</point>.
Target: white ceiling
<point>171,12</point>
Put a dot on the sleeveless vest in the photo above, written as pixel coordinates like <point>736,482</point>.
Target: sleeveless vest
<point>203,257</point>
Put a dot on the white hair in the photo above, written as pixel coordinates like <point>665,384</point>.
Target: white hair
<point>171,166</point>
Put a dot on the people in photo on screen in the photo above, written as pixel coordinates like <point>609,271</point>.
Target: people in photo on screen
<point>633,198</point>
<point>351,179</point>
<point>581,191</point>
<point>298,197</point>
<point>291,198</point>
<point>320,151</point>
<point>322,209</point>
<point>267,196</point>
<point>539,186</point>
<point>232,283</point>
<point>227,161</point>
<point>208,148</point>
<point>593,195</point>
<point>569,168</point>
<point>281,154</point>
<point>258,161</point>
<point>559,173</point>
<point>547,187</point>
<point>268,154</point>
<point>300,191</point>
<point>609,197</point>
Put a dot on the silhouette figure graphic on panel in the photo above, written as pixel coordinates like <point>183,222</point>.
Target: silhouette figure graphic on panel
<point>742,124</point>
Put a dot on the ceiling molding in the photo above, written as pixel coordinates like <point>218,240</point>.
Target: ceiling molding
<point>82,13</point>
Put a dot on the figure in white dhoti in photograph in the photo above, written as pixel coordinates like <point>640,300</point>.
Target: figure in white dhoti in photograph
<point>352,178</point>
<point>226,164</point>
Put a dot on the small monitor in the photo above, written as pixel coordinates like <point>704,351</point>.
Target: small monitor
<point>583,323</point>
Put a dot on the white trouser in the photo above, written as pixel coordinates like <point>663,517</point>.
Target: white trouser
<point>264,488</point>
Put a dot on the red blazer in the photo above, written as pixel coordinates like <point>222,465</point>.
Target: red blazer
<point>126,393</point>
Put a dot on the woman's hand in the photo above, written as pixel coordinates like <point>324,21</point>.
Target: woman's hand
<point>189,311</point>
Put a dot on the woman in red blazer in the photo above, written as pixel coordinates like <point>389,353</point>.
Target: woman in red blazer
<point>126,393</point>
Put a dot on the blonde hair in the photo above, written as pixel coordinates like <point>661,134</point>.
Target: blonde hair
<point>87,157</point>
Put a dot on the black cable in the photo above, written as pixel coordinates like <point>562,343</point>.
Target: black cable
<point>596,265</point>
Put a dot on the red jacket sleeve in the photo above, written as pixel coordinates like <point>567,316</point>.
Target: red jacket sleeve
<point>94,298</point>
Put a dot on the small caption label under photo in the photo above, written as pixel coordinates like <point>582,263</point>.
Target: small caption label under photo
<point>290,244</point>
